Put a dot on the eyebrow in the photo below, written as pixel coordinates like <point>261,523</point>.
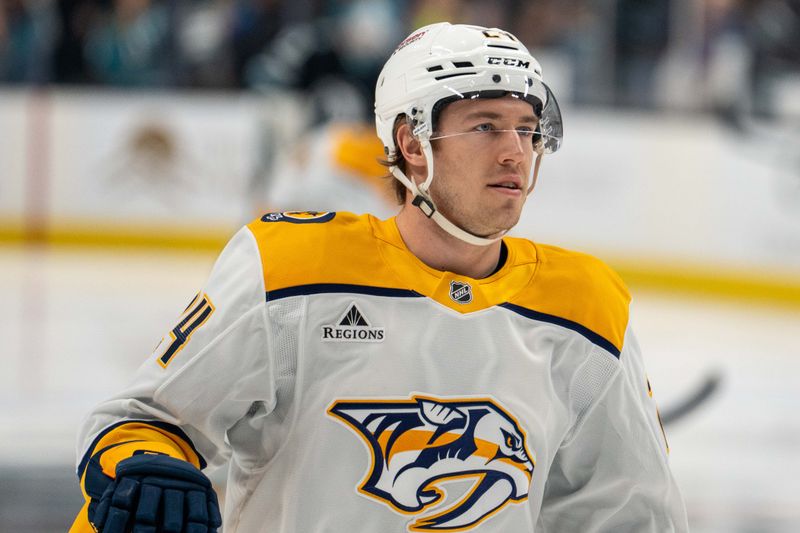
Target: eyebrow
<point>496,116</point>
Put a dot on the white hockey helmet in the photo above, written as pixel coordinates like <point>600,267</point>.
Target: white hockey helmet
<point>442,63</point>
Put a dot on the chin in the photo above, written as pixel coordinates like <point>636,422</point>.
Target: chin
<point>509,221</point>
<point>495,231</point>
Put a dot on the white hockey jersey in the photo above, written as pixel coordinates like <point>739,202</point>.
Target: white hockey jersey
<point>355,389</point>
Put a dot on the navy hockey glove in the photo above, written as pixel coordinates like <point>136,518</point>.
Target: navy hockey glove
<point>157,494</point>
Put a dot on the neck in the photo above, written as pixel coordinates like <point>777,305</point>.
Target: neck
<point>441,251</point>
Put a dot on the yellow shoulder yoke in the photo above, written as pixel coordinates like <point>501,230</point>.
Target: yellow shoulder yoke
<point>301,249</point>
<point>580,289</point>
<point>311,248</point>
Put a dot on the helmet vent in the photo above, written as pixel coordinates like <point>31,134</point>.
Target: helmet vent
<point>435,68</point>
<point>455,75</point>
<point>462,64</point>
<point>502,46</point>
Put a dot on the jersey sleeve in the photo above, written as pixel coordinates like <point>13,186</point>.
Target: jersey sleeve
<point>205,376</point>
<point>611,473</point>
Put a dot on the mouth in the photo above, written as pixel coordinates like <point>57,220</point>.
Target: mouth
<point>510,186</point>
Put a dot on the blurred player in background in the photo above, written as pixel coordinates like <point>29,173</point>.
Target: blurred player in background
<point>333,167</point>
<point>421,373</point>
<point>328,160</point>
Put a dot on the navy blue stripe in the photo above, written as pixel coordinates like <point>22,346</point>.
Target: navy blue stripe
<point>175,430</point>
<point>194,312</point>
<point>197,323</point>
<point>200,305</point>
<point>322,288</point>
<point>599,340</point>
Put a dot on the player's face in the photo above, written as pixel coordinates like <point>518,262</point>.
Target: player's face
<point>480,181</point>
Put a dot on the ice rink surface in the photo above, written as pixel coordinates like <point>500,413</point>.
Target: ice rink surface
<point>75,323</point>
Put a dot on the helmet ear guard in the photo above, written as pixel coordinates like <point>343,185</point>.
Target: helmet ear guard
<point>420,127</point>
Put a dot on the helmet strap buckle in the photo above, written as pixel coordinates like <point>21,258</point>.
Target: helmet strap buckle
<point>424,205</point>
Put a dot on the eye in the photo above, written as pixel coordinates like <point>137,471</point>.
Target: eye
<point>484,127</point>
<point>510,440</point>
<point>525,132</point>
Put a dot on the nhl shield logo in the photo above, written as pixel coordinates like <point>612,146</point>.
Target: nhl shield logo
<point>460,292</point>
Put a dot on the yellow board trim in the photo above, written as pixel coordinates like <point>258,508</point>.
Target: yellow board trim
<point>104,235</point>
<point>697,280</point>
<point>702,281</point>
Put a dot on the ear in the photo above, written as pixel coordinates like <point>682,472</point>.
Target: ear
<point>410,147</point>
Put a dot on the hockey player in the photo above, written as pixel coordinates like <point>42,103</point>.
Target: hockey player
<point>421,373</point>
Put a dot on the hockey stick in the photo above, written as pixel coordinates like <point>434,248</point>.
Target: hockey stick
<point>679,409</point>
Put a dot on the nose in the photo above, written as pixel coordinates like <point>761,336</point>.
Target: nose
<point>512,146</point>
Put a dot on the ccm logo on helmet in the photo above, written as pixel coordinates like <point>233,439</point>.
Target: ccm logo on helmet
<point>508,62</point>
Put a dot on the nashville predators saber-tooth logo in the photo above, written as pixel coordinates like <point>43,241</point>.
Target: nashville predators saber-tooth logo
<point>427,452</point>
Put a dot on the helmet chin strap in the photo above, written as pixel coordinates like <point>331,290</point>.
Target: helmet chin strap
<point>423,201</point>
